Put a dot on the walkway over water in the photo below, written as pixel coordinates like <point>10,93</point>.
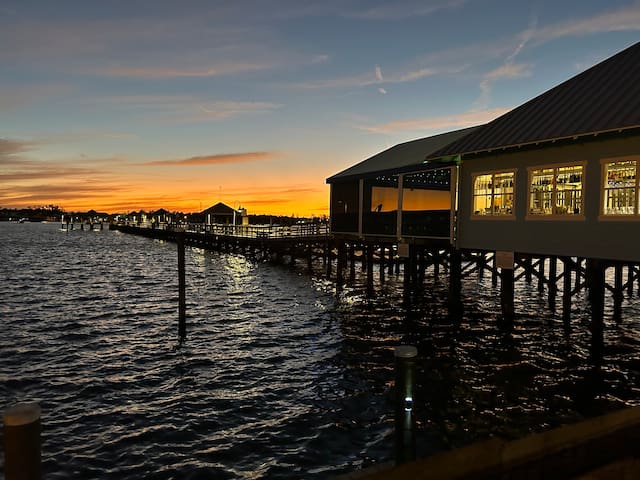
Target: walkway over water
<point>266,241</point>
<point>243,231</point>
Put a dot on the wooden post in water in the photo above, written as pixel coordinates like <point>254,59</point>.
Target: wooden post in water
<point>494,272</point>
<point>553,286</point>
<point>382,263</point>
<point>405,366</point>
<point>22,445</point>
<point>506,263</point>
<point>369,249</point>
<point>595,276</point>
<point>352,262</point>
<point>507,293</point>
<point>310,248</point>
<point>390,260</point>
<point>566,291</point>
<point>630,280</point>
<point>455,285</point>
<point>618,292</point>
<point>182,306</point>
<point>422,265</point>
<point>340,265</point>
<point>527,269</point>
<point>541,274</point>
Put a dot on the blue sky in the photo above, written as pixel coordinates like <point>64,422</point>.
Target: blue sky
<point>122,105</point>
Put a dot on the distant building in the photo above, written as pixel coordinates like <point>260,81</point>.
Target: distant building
<point>220,213</point>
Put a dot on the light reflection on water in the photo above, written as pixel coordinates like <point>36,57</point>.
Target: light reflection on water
<point>279,376</point>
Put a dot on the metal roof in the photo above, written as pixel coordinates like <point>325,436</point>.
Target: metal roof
<point>401,156</point>
<point>604,98</point>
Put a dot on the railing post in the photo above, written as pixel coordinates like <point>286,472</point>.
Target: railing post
<point>405,366</point>
<point>22,445</point>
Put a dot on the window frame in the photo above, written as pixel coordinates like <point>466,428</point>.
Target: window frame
<point>493,216</point>
<point>554,193</point>
<point>618,216</point>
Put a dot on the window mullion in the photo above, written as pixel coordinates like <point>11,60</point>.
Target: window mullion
<point>493,194</point>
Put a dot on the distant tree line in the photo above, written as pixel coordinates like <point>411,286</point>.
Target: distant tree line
<point>53,213</point>
<point>34,214</point>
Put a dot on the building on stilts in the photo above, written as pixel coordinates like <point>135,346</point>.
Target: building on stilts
<point>548,191</point>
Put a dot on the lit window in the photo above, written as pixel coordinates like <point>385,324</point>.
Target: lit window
<point>620,188</point>
<point>493,194</point>
<point>556,191</point>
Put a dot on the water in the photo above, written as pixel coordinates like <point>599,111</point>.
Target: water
<point>279,376</point>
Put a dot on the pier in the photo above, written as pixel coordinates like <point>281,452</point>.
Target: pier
<point>307,242</point>
<point>560,278</point>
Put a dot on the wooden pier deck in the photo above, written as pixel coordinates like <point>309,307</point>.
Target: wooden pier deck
<point>303,241</point>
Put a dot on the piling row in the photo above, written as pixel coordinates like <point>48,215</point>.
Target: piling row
<point>341,257</point>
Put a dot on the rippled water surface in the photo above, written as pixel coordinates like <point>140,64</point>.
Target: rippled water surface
<point>279,377</point>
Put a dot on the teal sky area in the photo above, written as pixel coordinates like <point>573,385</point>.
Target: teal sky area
<point>123,105</point>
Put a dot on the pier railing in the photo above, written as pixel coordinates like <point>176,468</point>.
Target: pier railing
<point>249,231</point>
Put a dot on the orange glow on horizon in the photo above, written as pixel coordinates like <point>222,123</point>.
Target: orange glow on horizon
<point>302,200</point>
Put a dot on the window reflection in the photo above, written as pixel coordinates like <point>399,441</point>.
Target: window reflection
<point>493,194</point>
<point>620,188</point>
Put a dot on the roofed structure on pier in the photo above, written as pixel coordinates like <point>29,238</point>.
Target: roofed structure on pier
<point>557,175</point>
<point>367,199</point>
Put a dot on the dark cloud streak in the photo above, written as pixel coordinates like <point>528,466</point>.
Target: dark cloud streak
<point>218,159</point>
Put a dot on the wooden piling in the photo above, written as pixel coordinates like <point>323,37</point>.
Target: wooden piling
<point>494,271</point>
<point>507,293</point>
<point>455,285</point>
<point>618,292</point>
<point>369,250</point>
<point>182,305</point>
<point>553,287</point>
<point>596,281</point>
<point>566,291</point>
<point>541,274</point>
<point>391,259</point>
<point>352,262</point>
<point>22,444</point>
<point>528,265</point>
<point>340,265</point>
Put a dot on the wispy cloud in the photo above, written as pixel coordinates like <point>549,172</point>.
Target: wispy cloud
<point>429,124</point>
<point>41,170</point>
<point>229,109</point>
<point>217,159</point>
<point>14,97</point>
<point>623,19</point>
<point>321,58</point>
<point>10,148</point>
<point>151,72</point>
<point>506,71</point>
<point>376,77</point>
<point>188,108</point>
<point>404,9</point>
<point>379,76</point>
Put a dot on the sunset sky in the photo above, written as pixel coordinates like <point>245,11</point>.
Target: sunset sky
<point>127,105</point>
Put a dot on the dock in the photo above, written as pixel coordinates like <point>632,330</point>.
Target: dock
<point>308,241</point>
